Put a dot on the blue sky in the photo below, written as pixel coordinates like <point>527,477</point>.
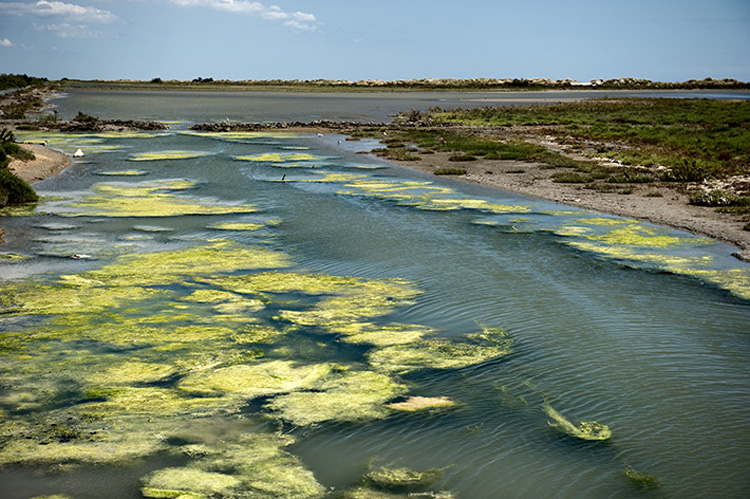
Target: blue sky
<point>666,40</point>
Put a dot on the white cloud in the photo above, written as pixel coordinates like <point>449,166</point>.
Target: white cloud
<point>68,11</point>
<point>5,43</point>
<point>65,30</point>
<point>297,20</point>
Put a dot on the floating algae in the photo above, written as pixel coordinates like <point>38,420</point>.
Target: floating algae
<point>441,353</point>
<point>237,226</point>
<point>424,196</point>
<point>369,493</point>
<point>149,199</point>
<point>123,173</point>
<point>414,404</point>
<point>168,155</point>
<point>240,136</point>
<point>344,396</point>
<point>402,479</point>
<point>12,258</point>
<point>188,483</point>
<point>70,142</point>
<point>586,430</point>
<point>254,466</point>
<point>280,157</point>
<point>342,299</point>
<point>642,480</point>
<point>165,267</point>
<point>366,333</point>
<point>261,378</point>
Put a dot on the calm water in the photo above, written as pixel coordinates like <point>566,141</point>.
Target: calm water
<point>641,328</point>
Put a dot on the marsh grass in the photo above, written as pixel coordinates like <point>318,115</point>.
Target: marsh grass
<point>450,171</point>
<point>694,138</point>
<point>468,146</point>
<point>724,201</point>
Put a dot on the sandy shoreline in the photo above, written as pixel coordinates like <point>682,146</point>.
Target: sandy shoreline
<point>656,204</point>
<point>47,163</point>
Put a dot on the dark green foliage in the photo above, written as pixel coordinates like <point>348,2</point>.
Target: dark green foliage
<point>17,152</point>
<point>13,190</point>
<point>450,171</point>
<point>6,136</point>
<point>19,81</point>
<point>688,171</point>
<point>85,119</point>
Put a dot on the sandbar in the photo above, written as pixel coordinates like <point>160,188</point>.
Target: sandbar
<point>47,163</point>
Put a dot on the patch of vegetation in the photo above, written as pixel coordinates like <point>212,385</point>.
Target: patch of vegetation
<point>401,154</point>
<point>20,81</point>
<point>694,138</point>
<point>642,480</point>
<point>468,146</point>
<point>462,157</point>
<point>13,190</point>
<point>725,201</point>
<point>585,430</point>
<point>450,171</point>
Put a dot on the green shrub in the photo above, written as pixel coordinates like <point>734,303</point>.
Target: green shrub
<point>462,157</point>
<point>402,155</point>
<point>687,170</point>
<point>450,171</point>
<point>13,190</point>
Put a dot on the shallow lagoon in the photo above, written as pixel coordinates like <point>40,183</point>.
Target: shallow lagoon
<point>228,332</point>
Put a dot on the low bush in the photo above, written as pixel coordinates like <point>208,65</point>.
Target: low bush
<point>462,157</point>
<point>13,190</point>
<point>450,171</point>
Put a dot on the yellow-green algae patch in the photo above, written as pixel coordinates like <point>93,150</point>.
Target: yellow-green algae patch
<point>277,157</point>
<point>367,333</point>
<point>345,396</point>
<point>129,372</point>
<point>425,196</point>
<point>237,226</point>
<point>188,483</point>
<point>585,430</point>
<point>123,173</point>
<point>369,493</point>
<point>168,155</point>
<point>261,378</point>
<point>414,404</point>
<point>240,136</point>
<point>402,479</point>
<point>253,466</point>
<point>149,199</point>
<point>442,353</point>
<point>91,142</point>
<point>12,257</point>
<point>164,267</point>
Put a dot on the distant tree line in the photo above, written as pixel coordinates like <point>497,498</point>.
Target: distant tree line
<point>20,81</point>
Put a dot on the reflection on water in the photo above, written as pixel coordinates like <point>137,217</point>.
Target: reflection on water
<point>268,315</point>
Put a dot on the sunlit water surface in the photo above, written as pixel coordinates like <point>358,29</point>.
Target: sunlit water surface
<point>640,328</point>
